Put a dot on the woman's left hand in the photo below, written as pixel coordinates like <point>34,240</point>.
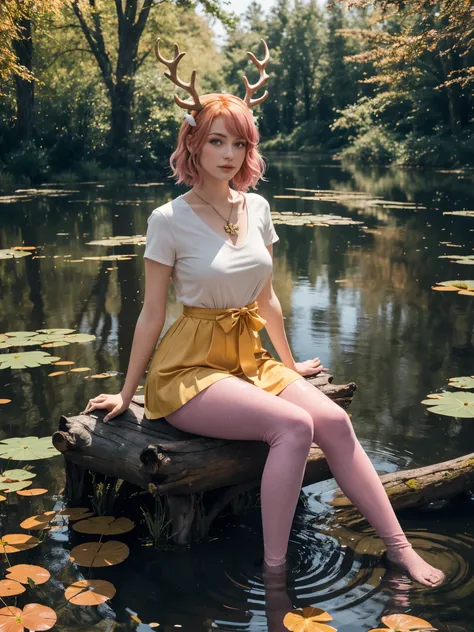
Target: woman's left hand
<point>309,367</point>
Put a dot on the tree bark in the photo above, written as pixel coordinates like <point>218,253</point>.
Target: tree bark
<point>25,89</point>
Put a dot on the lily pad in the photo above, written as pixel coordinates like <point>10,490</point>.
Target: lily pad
<point>462,213</point>
<point>26,359</point>
<point>462,382</point>
<point>9,253</point>
<point>35,491</point>
<point>27,448</point>
<point>104,525</point>
<point>406,623</point>
<point>120,240</point>
<point>456,404</point>
<point>10,588</point>
<point>97,554</point>
<point>23,573</point>
<point>460,285</point>
<point>79,338</point>
<point>16,542</point>
<point>38,522</point>
<point>43,337</point>
<point>56,332</point>
<point>90,592</point>
<point>309,219</point>
<point>308,620</point>
<point>34,616</point>
<point>15,480</point>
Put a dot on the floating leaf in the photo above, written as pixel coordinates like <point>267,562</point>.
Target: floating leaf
<point>9,253</point>
<point>50,345</point>
<point>104,525</point>
<point>462,213</point>
<point>14,486</point>
<point>12,476</point>
<point>64,363</point>
<point>309,219</point>
<point>456,404</point>
<point>79,338</point>
<point>56,332</point>
<point>33,617</point>
<point>27,448</point>
<point>2,498</point>
<point>5,401</point>
<point>90,592</point>
<point>458,285</point>
<point>36,491</point>
<point>99,376</point>
<point>406,623</point>
<point>308,620</point>
<point>16,542</point>
<point>99,554</point>
<point>139,240</point>
<point>56,373</point>
<point>445,288</point>
<point>38,522</point>
<point>76,513</point>
<point>9,588</point>
<point>79,369</point>
<point>24,573</point>
<point>462,382</point>
<point>26,359</point>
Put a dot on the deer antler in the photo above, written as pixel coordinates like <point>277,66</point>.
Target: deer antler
<point>172,65</point>
<point>252,88</point>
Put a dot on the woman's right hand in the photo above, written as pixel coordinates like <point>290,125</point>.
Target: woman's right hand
<point>115,404</point>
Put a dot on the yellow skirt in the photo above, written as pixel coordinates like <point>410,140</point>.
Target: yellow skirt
<point>206,345</point>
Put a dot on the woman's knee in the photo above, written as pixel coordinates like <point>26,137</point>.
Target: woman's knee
<point>336,421</point>
<point>297,427</point>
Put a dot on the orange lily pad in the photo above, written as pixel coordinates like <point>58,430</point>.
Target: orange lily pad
<point>16,542</point>
<point>404,623</point>
<point>24,572</point>
<point>90,592</point>
<point>9,588</point>
<point>79,369</point>
<point>33,617</point>
<point>56,373</point>
<point>63,363</point>
<point>445,288</point>
<point>2,498</point>
<point>36,491</point>
<point>5,401</point>
<point>99,554</point>
<point>308,620</point>
<point>39,522</point>
<point>104,525</point>
<point>76,513</point>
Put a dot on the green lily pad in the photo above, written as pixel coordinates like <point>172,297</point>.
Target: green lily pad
<point>456,404</point>
<point>13,254</point>
<point>462,285</point>
<point>56,332</point>
<point>14,486</point>
<point>26,359</point>
<point>120,240</point>
<point>309,219</point>
<point>463,213</point>
<point>27,448</point>
<point>462,382</point>
<point>79,338</point>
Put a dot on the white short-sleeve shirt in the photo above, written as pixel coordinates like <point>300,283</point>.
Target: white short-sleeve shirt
<point>209,271</point>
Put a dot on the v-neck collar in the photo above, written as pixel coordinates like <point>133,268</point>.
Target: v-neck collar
<point>211,230</point>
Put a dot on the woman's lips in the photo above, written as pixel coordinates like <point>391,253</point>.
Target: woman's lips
<point>227,168</point>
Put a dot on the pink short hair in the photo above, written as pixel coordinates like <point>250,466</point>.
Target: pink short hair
<point>239,122</point>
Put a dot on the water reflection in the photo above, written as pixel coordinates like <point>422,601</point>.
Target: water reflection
<point>357,297</point>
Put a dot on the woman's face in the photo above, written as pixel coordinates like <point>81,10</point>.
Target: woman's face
<point>222,154</point>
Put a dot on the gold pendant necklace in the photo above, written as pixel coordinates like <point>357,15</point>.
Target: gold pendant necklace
<point>230,229</point>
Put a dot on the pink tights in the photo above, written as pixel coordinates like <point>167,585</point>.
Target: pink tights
<point>234,409</point>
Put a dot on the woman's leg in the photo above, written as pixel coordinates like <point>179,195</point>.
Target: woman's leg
<point>356,476</point>
<point>234,409</point>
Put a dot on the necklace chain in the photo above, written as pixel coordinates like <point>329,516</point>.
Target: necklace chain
<point>231,229</point>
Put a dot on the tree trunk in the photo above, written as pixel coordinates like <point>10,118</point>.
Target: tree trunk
<point>25,90</point>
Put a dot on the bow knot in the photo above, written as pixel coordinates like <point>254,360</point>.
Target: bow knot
<point>243,316</point>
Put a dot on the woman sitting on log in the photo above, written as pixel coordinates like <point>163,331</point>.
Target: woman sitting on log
<point>210,374</point>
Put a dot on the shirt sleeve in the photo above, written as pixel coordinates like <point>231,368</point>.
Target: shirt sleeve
<point>159,240</point>
<point>269,233</point>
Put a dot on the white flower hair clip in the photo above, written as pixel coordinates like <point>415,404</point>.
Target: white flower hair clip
<point>190,119</point>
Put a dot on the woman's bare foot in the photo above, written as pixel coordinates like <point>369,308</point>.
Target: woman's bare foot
<point>418,569</point>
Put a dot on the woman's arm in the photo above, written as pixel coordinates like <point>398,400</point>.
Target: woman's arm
<point>270,309</point>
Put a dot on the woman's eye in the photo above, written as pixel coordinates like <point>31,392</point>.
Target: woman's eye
<point>241,144</point>
<point>215,140</point>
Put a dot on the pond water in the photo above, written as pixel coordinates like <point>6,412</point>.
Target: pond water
<point>357,296</point>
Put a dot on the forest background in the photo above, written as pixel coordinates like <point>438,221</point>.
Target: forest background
<point>82,96</point>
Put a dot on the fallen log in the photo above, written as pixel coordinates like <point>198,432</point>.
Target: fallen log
<point>153,455</point>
